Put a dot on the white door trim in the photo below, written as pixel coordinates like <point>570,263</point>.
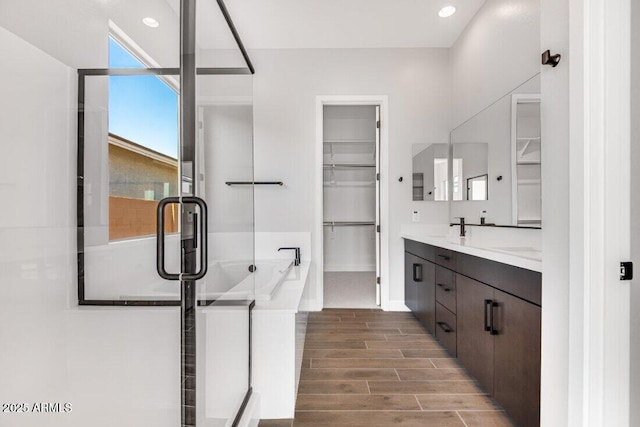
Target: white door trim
<point>383,102</point>
<point>600,205</point>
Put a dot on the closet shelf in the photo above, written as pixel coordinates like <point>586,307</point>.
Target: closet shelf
<point>533,221</point>
<point>529,182</point>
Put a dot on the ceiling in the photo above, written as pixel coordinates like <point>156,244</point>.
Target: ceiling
<point>278,24</point>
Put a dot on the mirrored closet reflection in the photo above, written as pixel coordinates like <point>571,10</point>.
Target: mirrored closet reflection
<point>351,206</point>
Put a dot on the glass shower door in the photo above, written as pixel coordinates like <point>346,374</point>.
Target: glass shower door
<point>90,110</point>
<point>224,154</point>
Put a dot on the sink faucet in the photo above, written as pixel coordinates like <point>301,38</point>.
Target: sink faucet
<point>463,232</point>
<point>297,260</point>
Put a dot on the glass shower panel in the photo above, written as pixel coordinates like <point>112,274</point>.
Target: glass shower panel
<point>217,47</point>
<point>130,144</point>
<point>224,154</point>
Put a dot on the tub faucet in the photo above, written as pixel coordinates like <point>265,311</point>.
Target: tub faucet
<point>297,260</point>
<point>463,232</point>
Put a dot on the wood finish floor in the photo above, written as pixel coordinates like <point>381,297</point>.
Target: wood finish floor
<point>374,368</point>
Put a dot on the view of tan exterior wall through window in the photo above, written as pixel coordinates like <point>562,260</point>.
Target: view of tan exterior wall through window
<point>138,179</point>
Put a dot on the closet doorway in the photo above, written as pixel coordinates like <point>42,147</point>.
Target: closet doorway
<point>351,206</point>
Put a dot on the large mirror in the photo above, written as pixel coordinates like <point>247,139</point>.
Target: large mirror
<point>495,162</point>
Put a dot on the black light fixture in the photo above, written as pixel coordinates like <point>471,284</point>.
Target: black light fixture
<point>548,59</point>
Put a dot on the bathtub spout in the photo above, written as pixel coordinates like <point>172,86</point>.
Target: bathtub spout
<point>297,260</point>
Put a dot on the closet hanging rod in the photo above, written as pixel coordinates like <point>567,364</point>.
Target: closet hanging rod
<point>347,223</point>
<point>349,141</point>
<point>230,183</point>
<point>347,165</point>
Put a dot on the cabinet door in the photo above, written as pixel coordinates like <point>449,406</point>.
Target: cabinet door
<point>475,343</point>
<point>517,358</point>
<point>410,286</point>
<point>427,297</point>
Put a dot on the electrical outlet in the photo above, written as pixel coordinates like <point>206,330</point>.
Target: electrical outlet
<point>416,216</point>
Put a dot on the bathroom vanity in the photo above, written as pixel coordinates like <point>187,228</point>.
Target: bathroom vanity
<point>484,306</point>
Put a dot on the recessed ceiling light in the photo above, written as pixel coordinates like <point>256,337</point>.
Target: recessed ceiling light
<point>447,11</point>
<point>150,22</point>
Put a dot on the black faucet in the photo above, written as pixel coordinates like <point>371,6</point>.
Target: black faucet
<point>463,232</point>
<point>297,260</point>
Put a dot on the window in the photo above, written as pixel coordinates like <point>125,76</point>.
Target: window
<point>143,147</point>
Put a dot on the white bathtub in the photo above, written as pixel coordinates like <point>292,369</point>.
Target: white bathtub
<point>231,280</point>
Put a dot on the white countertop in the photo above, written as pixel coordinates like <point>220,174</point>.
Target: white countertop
<point>507,251</point>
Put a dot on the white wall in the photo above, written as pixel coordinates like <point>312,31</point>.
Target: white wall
<point>555,217</point>
<point>418,85</point>
<point>497,52</point>
<point>635,213</point>
<point>228,156</point>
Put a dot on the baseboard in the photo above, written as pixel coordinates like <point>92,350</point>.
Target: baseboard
<point>397,305</point>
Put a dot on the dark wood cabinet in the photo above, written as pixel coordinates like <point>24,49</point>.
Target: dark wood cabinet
<point>516,380</point>
<point>426,312</point>
<point>485,313</point>
<point>446,328</point>
<point>499,344</point>
<point>410,285</point>
<point>419,288</point>
<point>446,288</point>
<point>475,343</point>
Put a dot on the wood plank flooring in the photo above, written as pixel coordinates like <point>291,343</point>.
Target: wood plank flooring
<point>367,368</point>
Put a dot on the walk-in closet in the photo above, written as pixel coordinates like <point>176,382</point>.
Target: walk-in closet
<point>351,206</point>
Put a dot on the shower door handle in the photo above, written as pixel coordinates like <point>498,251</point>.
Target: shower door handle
<point>202,230</point>
<point>160,238</point>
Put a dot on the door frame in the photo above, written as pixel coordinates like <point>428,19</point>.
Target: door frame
<point>383,102</point>
<point>599,239</point>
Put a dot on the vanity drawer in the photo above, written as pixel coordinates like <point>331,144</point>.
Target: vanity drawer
<point>446,288</point>
<point>525,284</point>
<point>446,329</point>
<point>445,258</point>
